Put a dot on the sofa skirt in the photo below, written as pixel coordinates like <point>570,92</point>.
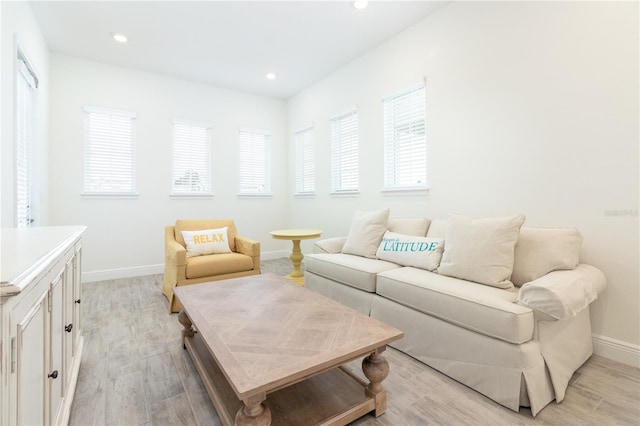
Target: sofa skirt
<point>356,299</point>
<point>513,375</point>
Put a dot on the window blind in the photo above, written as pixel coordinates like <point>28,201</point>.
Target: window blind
<point>109,167</point>
<point>344,152</point>
<point>191,158</point>
<point>405,145</point>
<point>305,162</point>
<point>255,173</point>
<point>25,90</point>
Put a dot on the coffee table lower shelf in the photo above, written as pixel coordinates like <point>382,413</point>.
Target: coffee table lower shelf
<point>334,397</point>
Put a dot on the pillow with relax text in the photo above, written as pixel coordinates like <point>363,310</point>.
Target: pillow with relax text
<point>410,250</point>
<point>208,241</point>
<point>367,229</point>
<point>481,250</point>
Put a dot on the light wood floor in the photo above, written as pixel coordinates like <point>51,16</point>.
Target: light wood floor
<point>135,372</point>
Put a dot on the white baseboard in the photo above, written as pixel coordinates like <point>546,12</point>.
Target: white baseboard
<point>617,350</point>
<point>113,274</point>
<point>606,347</point>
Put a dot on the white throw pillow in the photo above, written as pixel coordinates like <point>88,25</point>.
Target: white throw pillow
<point>367,229</point>
<point>207,241</point>
<point>409,250</point>
<point>481,250</point>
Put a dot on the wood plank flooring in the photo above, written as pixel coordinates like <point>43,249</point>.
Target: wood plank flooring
<point>134,371</point>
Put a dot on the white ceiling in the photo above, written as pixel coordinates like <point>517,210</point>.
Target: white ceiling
<point>230,44</point>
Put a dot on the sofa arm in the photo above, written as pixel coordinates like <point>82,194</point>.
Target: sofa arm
<point>329,245</point>
<point>174,252</point>
<point>562,294</point>
<point>247,246</point>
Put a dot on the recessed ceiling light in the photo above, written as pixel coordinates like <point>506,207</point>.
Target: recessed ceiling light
<point>360,4</point>
<point>119,37</point>
<point>271,76</point>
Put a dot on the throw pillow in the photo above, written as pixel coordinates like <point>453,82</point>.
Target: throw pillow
<point>481,250</point>
<point>543,250</point>
<point>367,229</point>
<point>208,241</point>
<point>409,250</point>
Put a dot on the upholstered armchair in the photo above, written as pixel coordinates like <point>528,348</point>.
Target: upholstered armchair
<point>180,269</point>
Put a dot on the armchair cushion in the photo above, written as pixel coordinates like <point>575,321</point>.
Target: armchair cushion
<point>218,264</point>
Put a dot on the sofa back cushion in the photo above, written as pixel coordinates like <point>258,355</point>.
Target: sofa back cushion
<point>202,224</point>
<point>409,225</point>
<point>365,234</point>
<point>481,250</point>
<point>437,228</point>
<point>543,250</point>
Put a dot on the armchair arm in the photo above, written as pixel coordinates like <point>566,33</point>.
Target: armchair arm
<point>329,245</point>
<point>247,246</point>
<point>563,294</point>
<point>174,253</point>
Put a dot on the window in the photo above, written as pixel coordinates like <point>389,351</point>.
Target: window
<point>26,84</point>
<point>344,153</point>
<point>255,173</point>
<point>305,162</point>
<point>191,158</point>
<point>109,162</point>
<point>405,143</point>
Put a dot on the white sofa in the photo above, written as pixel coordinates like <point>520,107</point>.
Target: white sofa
<point>519,345</point>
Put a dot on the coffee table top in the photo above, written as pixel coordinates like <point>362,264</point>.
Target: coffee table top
<point>265,332</point>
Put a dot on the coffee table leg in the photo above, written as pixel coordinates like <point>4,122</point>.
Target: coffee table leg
<point>376,368</point>
<point>188,326</point>
<point>254,413</point>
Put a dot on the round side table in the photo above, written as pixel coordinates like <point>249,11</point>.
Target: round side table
<point>296,235</point>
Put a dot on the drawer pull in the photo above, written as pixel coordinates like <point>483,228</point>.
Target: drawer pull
<point>78,301</point>
<point>53,375</point>
<point>68,328</point>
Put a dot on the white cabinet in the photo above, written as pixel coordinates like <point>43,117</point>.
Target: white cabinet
<point>40,296</point>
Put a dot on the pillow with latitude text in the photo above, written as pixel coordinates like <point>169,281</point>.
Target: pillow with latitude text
<point>410,250</point>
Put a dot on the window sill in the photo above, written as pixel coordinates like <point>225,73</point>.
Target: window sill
<point>393,192</point>
<point>256,195</point>
<point>345,194</point>
<point>305,195</point>
<point>191,196</point>
<point>123,195</point>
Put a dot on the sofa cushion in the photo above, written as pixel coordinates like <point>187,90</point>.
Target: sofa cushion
<point>484,309</point>
<point>217,264</point>
<point>409,225</point>
<point>207,241</point>
<point>481,250</point>
<point>355,271</point>
<point>366,232</point>
<point>437,228</point>
<point>409,250</point>
<point>543,250</point>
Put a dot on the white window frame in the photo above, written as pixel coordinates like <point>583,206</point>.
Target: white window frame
<point>25,131</point>
<point>254,171</point>
<point>305,182</point>
<point>345,161</point>
<point>405,140</point>
<point>124,170</point>
<point>191,154</point>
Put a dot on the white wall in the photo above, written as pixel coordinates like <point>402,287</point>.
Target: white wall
<point>19,28</point>
<point>531,108</point>
<point>129,233</point>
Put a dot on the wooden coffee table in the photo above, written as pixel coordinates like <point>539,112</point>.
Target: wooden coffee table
<point>268,351</point>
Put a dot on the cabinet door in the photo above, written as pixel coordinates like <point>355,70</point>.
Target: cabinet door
<point>56,306</point>
<point>31,365</point>
<point>68,320</point>
<point>77,298</point>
